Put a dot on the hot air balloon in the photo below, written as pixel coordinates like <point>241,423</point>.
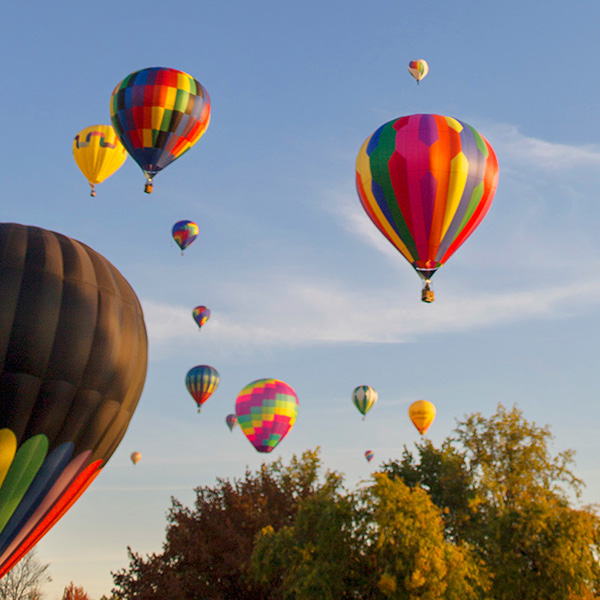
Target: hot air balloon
<point>364,397</point>
<point>201,314</point>
<point>73,358</point>
<point>422,414</point>
<point>135,457</point>
<point>184,233</point>
<point>266,410</point>
<point>426,182</point>
<point>98,153</point>
<point>231,421</point>
<point>418,69</point>
<point>159,114</point>
<point>201,382</point>
<point>369,455</point>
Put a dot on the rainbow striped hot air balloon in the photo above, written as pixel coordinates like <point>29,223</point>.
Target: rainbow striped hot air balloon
<point>184,233</point>
<point>364,397</point>
<point>201,314</point>
<point>201,382</point>
<point>369,455</point>
<point>426,182</point>
<point>266,410</point>
<point>418,69</point>
<point>159,114</point>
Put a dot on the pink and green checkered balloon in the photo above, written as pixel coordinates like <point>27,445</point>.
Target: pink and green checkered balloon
<point>266,410</point>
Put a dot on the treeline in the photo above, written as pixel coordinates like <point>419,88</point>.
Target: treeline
<point>490,514</point>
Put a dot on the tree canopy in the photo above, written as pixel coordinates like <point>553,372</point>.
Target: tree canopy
<point>490,514</point>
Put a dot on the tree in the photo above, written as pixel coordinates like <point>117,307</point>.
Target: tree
<point>208,548</point>
<point>505,495</point>
<point>25,580</point>
<point>75,592</point>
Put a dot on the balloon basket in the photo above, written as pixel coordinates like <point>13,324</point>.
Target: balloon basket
<point>148,187</point>
<point>427,294</point>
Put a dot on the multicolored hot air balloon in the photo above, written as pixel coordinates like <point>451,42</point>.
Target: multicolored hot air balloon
<point>159,114</point>
<point>364,397</point>
<point>422,414</point>
<point>369,455</point>
<point>184,233</point>
<point>135,457</point>
<point>418,69</point>
<point>266,410</point>
<point>73,360</point>
<point>201,314</point>
<point>98,153</point>
<point>426,182</point>
<point>201,382</point>
<point>231,421</point>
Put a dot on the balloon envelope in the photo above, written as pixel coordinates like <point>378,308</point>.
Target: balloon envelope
<point>364,397</point>
<point>231,421</point>
<point>418,68</point>
<point>135,457</point>
<point>201,382</point>
<point>73,358</point>
<point>369,455</point>
<point>426,182</point>
<point>98,153</point>
<point>159,114</point>
<point>184,233</point>
<point>422,414</point>
<point>266,410</point>
<point>201,314</point>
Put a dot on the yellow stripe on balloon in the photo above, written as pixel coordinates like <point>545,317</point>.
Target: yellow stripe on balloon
<point>8,449</point>
<point>459,171</point>
<point>147,140</point>
<point>170,96</point>
<point>157,117</point>
<point>363,168</point>
<point>454,124</point>
<point>183,82</point>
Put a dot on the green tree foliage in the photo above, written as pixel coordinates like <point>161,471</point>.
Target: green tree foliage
<point>208,547</point>
<point>507,496</point>
<point>489,515</point>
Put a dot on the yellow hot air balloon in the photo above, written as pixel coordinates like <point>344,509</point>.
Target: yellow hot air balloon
<point>98,153</point>
<point>422,414</point>
<point>135,457</point>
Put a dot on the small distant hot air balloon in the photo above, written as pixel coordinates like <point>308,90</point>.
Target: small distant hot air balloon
<point>426,182</point>
<point>201,314</point>
<point>159,114</point>
<point>98,153</point>
<point>231,421</point>
<point>184,233</point>
<point>266,410</point>
<point>135,457</point>
<point>201,382</point>
<point>364,397</point>
<point>418,69</point>
<point>422,414</point>
<point>369,455</point>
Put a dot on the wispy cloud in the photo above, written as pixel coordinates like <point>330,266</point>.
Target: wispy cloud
<point>304,313</point>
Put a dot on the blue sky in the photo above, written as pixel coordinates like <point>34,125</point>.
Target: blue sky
<point>301,285</point>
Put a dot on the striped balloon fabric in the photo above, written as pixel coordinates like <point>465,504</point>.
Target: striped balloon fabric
<point>426,182</point>
<point>266,410</point>
<point>418,69</point>
<point>364,397</point>
<point>201,382</point>
<point>159,114</point>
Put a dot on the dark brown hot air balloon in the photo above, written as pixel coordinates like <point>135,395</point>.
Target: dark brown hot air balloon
<point>73,358</point>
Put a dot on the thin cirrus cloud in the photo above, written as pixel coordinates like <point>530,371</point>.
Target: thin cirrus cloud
<point>320,309</point>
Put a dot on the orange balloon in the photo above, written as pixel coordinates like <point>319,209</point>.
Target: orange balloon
<point>422,414</point>
<point>135,457</point>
